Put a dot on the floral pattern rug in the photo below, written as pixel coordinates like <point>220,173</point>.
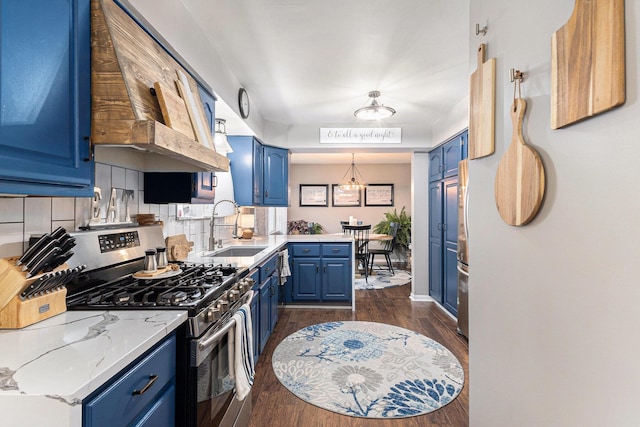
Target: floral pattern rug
<point>367,369</point>
<point>383,279</point>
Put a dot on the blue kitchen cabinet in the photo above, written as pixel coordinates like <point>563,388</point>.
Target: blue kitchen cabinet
<point>264,327</point>
<point>444,159</point>
<point>268,302</point>
<point>336,285</point>
<point>45,98</point>
<point>435,240</point>
<point>275,176</point>
<point>255,313</point>
<point>320,272</point>
<point>260,172</point>
<point>209,107</point>
<point>179,187</point>
<point>443,243</point>
<point>142,394</point>
<point>305,279</point>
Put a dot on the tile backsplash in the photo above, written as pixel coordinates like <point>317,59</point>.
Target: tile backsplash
<point>22,217</point>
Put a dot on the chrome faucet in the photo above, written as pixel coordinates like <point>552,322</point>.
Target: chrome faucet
<point>212,237</point>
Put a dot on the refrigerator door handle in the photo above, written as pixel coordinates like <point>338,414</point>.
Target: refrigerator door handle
<point>460,270</point>
<point>466,211</point>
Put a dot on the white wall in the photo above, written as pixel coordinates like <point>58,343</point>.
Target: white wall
<point>554,305</point>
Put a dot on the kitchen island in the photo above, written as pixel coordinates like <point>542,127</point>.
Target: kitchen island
<point>47,369</point>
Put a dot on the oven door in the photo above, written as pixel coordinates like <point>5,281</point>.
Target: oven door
<point>212,376</point>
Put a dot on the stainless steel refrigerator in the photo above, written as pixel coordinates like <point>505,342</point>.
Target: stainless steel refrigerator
<point>463,249</point>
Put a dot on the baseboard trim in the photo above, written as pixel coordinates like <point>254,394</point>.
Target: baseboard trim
<point>328,307</point>
<point>427,298</point>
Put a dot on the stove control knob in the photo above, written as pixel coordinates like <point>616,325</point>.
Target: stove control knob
<point>223,306</point>
<point>212,314</point>
<point>234,295</point>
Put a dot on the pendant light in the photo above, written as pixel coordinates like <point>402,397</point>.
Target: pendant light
<point>220,137</point>
<point>375,110</point>
<point>353,182</point>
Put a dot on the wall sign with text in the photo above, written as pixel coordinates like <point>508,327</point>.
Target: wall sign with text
<point>360,135</point>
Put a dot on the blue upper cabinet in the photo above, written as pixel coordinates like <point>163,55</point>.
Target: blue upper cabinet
<point>209,107</point>
<point>260,172</point>
<point>45,98</point>
<point>443,160</point>
<point>276,176</point>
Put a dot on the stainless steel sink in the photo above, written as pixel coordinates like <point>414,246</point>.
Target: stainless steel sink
<point>237,251</point>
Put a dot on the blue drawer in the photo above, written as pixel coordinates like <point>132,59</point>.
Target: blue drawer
<point>117,405</point>
<point>268,267</point>
<point>304,249</point>
<point>336,249</point>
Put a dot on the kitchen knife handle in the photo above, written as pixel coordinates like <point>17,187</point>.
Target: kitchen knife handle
<point>152,379</point>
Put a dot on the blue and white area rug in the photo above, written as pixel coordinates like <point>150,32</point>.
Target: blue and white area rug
<point>369,370</point>
<point>383,279</point>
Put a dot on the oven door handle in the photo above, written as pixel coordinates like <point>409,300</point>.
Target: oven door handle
<point>220,333</point>
<point>215,337</point>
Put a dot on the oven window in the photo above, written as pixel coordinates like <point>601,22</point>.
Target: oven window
<point>215,384</point>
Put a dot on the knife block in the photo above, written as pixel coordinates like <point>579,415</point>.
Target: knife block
<point>16,313</point>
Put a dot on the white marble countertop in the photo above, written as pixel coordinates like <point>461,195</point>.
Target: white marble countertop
<point>46,369</point>
<point>271,244</point>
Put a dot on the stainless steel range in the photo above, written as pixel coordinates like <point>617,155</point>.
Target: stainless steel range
<point>114,279</point>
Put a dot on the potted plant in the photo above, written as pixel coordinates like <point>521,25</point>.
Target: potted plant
<point>403,237</point>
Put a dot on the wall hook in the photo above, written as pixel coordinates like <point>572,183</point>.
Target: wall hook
<point>515,75</point>
<point>482,30</point>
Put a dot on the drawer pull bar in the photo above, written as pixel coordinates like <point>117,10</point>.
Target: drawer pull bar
<point>152,379</point>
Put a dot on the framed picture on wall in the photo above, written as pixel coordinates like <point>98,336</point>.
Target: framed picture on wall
<point>314,194</point>
<point>378,195</point>
<point>345,197</point>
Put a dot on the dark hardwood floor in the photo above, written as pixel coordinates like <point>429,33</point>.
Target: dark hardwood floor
<point>274,405</point>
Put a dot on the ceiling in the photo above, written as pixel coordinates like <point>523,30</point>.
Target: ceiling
<point>313,62</point>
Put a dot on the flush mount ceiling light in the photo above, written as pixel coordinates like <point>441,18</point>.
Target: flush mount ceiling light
<point>353,183</point>
<point>220,137</point>
<point>375,110</point>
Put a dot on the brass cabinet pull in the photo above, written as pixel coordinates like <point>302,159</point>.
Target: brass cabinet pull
<point>152,379</point>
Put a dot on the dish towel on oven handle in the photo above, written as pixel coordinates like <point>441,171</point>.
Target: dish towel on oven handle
<point>285,270</point>
<point>243,362</point>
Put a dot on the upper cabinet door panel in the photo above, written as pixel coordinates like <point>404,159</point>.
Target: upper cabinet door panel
<point>435,165</point>
<point>451,154</point>
<point>276,180</point>
<point>45,97</point>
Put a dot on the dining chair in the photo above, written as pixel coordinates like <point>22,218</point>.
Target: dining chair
<point>386,249</point>
<point>360,235</point>
<point>342,224</point>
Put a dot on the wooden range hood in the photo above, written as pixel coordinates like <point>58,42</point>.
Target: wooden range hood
<point>125,63</point>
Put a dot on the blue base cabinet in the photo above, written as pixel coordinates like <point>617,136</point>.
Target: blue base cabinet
<point>265,303</point>
<point>319,272</point>
<point>142,395</point>
<point>45,94</point>
<point>260,172</point>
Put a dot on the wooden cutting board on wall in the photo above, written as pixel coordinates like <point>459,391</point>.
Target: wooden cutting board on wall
<point>520,181</point>
<point>587,62</point>
<point>482,101</point>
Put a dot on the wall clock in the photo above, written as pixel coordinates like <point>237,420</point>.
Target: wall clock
<point>243,103</point>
